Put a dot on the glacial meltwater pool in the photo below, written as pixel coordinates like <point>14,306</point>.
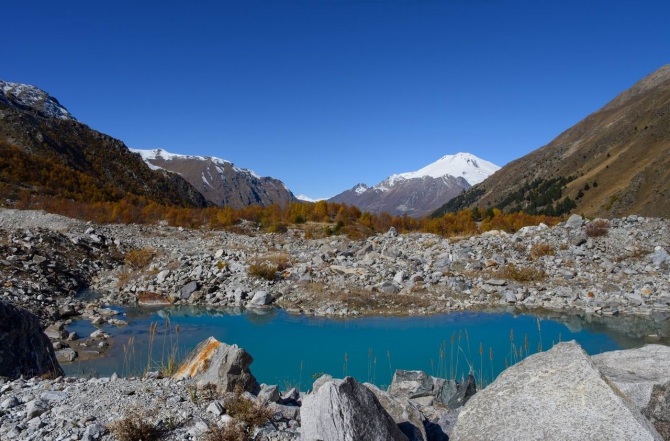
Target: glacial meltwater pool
<point>289,350</point>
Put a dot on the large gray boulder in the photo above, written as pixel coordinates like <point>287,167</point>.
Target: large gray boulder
<point>24,348</point>
<point>404,413</point>
<point>214,362</point>
<point>345,410</point>
<point>558,394</point>
<point>635,372</point>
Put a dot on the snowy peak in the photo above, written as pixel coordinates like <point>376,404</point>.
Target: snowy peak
<point>25,96</point>
<point>465,165</point>
<point>360,188</point>
<point>305,198</point>
<point>420,192</point>
<point>156,155</point>
<point>218,180</point>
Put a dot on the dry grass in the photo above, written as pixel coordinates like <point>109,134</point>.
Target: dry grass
<point>528,274</point>
<point>541,249</point>
<point>229,432</point>
<point>597,228</point>
<point>249,412</point>
<point>248,415</point>
<point>281,260</point>
<point>139,259</point>
<point>266,267</point>
<point>135,427</point>
<point>263,271</point>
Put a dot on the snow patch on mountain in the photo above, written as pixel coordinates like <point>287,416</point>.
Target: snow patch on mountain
<point>305,198</point>
<point>156,154</point>
<point>24,95</point>
<point>466,165</point>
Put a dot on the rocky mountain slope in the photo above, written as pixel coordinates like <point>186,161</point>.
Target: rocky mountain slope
<point>418,193</point>
<point>220,181</point>
<point>44,150</point>
<point>614,162</point>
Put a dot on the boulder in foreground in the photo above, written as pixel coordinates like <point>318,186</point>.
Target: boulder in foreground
<point>636,371</point>
<point>24,348</point>
<point>214,362</point>
<point>558,394</point>
<point>346,410</point>
<point>644,376</point>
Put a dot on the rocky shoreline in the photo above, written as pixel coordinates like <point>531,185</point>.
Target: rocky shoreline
<point>213,396</point>
<point>46,259</point>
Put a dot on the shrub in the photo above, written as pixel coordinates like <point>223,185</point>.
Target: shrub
<point>263,271</point>
<point>511,272</point>
<point>248,415</point>
<point>138,259</point>
<point>541,249</point>
<point>249,412</point>
<point>277,228</point>
<point>229,432</point>
<point>135,427</point>
<point>597,228</point>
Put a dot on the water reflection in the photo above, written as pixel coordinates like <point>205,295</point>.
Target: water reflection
<point>291,348</point>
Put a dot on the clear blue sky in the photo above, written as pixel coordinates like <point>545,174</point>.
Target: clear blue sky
<point>327,93</point>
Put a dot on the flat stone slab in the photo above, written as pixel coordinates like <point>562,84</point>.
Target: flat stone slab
<point>636,371</point>
<point>558,394</point>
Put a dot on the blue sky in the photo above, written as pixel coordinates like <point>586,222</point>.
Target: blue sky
<point>324,94</point>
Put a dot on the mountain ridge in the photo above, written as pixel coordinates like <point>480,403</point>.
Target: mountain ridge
<point>614,162</point>
<point>64,158</point>
<point>219,180</point>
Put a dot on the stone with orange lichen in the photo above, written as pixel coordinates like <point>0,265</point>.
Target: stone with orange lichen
<point>214,362</point>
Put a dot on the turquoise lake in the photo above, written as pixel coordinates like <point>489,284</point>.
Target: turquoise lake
<point>289,350</point>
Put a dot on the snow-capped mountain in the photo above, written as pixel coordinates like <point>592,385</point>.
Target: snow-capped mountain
<point>219,180</point>
<point>465,165</point>
<point>305,198</point>
<point>24,96</point>
<point>419,192</point>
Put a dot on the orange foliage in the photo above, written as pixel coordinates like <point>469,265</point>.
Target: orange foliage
<point>53,186</point>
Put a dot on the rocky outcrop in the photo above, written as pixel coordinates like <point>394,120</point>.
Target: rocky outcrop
<point>557,394</point>
<point>24,348</point>
<point>214,362</point>
<point>345,410</point>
